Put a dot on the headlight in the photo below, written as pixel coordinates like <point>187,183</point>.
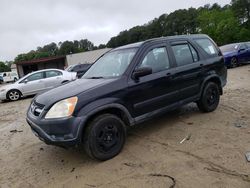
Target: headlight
<point>63,108</point>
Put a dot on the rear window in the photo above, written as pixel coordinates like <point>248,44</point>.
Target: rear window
<point>208,46</point>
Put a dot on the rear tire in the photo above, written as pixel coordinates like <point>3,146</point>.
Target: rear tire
<point>14,95</point>
<point>104,137</point>
<point>210,98</point>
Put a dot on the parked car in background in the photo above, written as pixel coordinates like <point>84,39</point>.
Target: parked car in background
<point>236,54</point>
<point>9,76</point>
<point>35,82</point>
<point>126,86</point>
<point>80,69</point>
<point>1,79</point>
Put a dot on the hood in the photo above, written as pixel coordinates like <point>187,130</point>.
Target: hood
<point>227,54</point>
<point>70,89</point>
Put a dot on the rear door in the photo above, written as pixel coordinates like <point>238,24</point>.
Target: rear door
<point>53,78</point>
<point>189,71</point>
<point>248,51</point>
<point>243,53</point>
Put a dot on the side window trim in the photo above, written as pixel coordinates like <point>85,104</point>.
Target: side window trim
<point>198,57</point>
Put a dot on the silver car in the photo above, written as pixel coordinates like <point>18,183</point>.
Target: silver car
<point>35,82</point>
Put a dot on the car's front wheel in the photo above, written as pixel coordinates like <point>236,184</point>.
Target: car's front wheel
<point>234,62</point>
<point>104,137</point>
<point>14,95</point>
<point>210,98</point>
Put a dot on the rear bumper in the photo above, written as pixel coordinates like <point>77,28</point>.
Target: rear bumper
<point>60,132</point>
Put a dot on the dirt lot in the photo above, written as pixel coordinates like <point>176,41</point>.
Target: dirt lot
<point>153,156</point>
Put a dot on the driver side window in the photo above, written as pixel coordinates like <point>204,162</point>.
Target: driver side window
<point>157,59</point>
<point>36,76</point>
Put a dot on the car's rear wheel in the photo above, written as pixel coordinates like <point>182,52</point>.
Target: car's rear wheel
<point>234,62</point>
<point>210,98</point>
<point>14,95</point>
<point>104,137</point>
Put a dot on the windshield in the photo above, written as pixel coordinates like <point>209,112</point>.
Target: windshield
<point>112,64</point>
<point>229,48</point>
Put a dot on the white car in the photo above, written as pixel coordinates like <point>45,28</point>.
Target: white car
<point>36,82</point>
<point>9,76</point>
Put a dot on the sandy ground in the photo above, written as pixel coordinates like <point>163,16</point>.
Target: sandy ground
<point>153,156</point>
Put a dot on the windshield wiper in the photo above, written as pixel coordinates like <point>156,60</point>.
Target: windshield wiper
<point>95,77</point>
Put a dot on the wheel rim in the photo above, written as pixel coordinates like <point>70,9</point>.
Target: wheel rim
<point>211,96</point>
<point>234,62</point>
<point>14,95</point>
<point>107,138</point>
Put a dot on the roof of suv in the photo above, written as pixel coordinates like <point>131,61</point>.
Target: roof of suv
<point>138,44</point>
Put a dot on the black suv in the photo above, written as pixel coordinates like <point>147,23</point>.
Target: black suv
<point>127,86</point>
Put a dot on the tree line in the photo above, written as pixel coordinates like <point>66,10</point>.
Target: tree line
<point>62,48</point>
<point>227,24</point>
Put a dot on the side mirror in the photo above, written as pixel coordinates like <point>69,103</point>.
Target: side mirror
<point>140,72</point>
<point>26,81</point>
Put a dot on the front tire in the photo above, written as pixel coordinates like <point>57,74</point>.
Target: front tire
<point>14,95</point>
<point>210,98</point>
<point>104,137</point>
<point>234,62</point>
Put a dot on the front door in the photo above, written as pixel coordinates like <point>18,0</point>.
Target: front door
<point>33,84</point>
<point>154,91</point>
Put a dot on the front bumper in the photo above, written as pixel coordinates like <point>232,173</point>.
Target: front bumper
<point>60,132</point>
<point>3,96</point>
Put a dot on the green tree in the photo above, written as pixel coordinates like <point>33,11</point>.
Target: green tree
<point>4,67</point>
<point>241,9</point>
<point>221,25</point>
<point>51,49</point>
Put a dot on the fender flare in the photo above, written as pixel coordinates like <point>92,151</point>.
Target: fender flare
<point>95,107</point>
<point>211,77</point>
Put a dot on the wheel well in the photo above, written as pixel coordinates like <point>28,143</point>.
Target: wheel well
<point>234,57</point>
<point>65,81</point>
<point>115,111</point>
<point>217,81</point>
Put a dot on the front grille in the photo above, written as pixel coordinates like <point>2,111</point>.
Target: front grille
<point>36,108</point>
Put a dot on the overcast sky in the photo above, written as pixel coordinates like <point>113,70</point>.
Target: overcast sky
<point>27,24</point>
